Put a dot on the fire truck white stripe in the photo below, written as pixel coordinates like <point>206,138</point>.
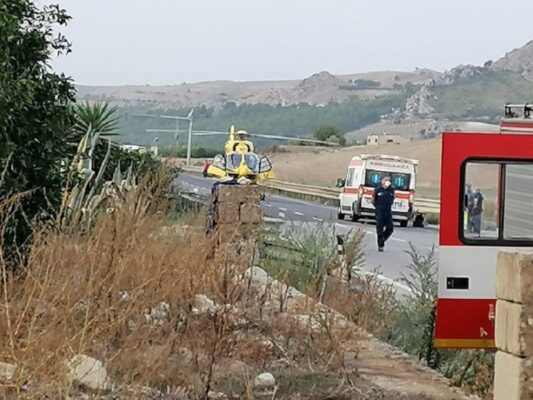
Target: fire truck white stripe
<point>478,263</point>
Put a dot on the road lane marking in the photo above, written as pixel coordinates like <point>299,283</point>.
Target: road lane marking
<point>281,215</point>
<point>398,240</point>
<point>318,219</point>
<point>282,209</point>
<point>298,213</point>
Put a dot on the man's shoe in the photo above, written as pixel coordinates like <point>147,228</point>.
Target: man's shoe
<point>380,249</point>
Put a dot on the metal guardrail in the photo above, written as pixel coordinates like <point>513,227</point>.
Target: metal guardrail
<point>326,195</point>
<point>330,194</point>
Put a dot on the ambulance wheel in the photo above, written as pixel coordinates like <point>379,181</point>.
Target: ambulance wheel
<point>354,217</point>
<point>403,224</point>
<point>340,215</point>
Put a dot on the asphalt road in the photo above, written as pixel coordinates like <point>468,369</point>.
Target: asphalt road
<point>391,262</point>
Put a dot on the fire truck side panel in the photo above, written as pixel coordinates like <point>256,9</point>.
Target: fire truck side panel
<point>467,269</point>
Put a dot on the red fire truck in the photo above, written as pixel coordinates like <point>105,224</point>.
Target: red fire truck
<point>494,171</point>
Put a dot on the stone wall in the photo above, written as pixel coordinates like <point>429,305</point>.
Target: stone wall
<point>513,378</point>
<point>237,217</point>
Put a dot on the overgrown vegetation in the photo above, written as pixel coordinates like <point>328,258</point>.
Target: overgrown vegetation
<point>41,126</point>
<point>300,255</point>
<point>35,117</point>
<point>361,84</point>
<point>330,132</point>
<point>405,321</point>
<point>181,152</point>
<point>162,308</point>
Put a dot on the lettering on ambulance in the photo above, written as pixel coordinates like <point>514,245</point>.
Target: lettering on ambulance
<point>389,165</point>
<point>399,205</point>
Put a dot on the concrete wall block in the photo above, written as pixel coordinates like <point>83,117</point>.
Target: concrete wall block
<point>514,328</point>
<point>513,377</point>
<point>514,277</point>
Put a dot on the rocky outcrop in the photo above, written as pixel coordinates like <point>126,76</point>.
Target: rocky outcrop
<point>418,105</point>
<point>519,61</point>
<point>458,74</point>
<point>320,88</point>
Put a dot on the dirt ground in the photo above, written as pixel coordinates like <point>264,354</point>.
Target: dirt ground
<point>319,166</point>
<point>323,166</point>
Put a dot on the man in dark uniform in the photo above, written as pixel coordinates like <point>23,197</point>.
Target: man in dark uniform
<point>383,200</point>
<point>475,209</point>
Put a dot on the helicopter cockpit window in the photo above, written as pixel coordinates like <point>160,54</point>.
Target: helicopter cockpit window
<point>233,160</point>
<point>219,161</point>
<point>252,161</point>
<point>265,165</point>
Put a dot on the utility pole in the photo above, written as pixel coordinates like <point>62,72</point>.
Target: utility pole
<point>189,142</point>
<point>176,132</point>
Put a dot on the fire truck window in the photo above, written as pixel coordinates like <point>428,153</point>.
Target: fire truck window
<point>518,204</point>
<point>480,201</point>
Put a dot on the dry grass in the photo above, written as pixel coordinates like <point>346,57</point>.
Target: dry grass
<point>126,292</point>
<point>324,166</point>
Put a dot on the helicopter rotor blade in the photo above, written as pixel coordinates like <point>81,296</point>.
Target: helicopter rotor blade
<point>258,135</point>
<point>208,133</point>
<point>279,137</point>
<point>161,116</point>
<point>161,130</point>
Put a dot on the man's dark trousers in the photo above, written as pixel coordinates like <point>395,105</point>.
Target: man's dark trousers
<point>384,227</point>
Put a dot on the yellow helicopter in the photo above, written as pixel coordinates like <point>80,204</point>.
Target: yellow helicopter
<point>239,161</point>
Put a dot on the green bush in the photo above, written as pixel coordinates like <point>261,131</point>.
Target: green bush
<point>327,132</point>
<point>35,118</point>
<point>181,152</point>
<point>413,323</point>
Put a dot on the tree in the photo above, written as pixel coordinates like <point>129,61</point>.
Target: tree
<point>326,132</point>
<point>35,115</point>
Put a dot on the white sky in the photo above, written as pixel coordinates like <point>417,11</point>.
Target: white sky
<point>175,41</point>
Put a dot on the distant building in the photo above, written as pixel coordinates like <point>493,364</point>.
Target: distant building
<point>384,138</point>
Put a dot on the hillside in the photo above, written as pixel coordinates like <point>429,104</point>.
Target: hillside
<point>418,104</point>
<point>479,95</point>
<point>519,61</point>
<point>418,128</point>
<point>318,89</point>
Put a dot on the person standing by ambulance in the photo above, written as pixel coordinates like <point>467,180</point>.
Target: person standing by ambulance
<point>383,200</point>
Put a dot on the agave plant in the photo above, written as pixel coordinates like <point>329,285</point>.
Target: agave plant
<point>80,205</point>
<point>101,117</point>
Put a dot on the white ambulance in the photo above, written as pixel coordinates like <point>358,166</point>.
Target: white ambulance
<point>365,173</point>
